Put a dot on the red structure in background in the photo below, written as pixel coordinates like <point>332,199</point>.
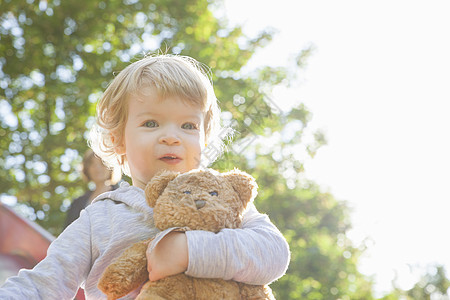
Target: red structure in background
<point>22,244</point>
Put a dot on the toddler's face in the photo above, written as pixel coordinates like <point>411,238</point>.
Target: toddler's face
<point>161,134</point>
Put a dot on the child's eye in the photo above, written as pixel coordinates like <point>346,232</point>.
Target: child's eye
<point>150,124</point>
<point>189,126</point>
<point>214,193</point>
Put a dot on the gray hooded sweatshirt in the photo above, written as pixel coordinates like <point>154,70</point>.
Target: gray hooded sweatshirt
<point>257,253</point>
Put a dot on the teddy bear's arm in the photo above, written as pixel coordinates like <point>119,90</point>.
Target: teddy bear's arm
<point>126,273</point>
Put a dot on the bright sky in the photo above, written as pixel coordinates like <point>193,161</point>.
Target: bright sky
<point>378,84</point>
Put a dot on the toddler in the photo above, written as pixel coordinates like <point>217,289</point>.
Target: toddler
<point>158,113</point>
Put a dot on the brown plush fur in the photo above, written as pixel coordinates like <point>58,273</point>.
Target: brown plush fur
<point>199,200</point>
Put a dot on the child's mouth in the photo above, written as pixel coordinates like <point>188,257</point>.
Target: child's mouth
<point>170,159</point>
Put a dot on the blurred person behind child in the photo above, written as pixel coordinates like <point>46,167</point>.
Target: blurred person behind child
<point>99,176</point>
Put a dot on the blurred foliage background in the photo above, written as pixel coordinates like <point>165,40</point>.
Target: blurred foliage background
<point>56,58</point>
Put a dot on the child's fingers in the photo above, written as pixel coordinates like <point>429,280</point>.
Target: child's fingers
<point>149,267</point>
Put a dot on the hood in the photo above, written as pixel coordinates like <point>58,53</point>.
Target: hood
<point>129,195</point>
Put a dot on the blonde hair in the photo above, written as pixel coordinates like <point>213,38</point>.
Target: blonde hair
<point>170,75</point>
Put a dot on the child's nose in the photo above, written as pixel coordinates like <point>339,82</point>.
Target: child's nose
<point>169,139</point>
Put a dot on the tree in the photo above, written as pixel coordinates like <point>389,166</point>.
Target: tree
<point>433,285</point>
<point>56,57</point>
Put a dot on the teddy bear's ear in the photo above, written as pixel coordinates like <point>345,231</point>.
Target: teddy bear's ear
<point>244,184</point>
<point>157,185</point>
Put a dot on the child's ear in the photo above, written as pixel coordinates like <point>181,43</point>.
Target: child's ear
<point>157,185</point>
<point>118,148</point>
<point>244,184</point>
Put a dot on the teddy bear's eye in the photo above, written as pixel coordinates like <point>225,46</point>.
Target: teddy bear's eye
<point>213,193</point>
<point>187,192</point>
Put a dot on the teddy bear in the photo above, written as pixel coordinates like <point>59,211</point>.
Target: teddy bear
<point>195,200</point>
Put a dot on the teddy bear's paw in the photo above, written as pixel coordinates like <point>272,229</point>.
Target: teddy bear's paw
<point>256,292</point>
<point>175,287</point>
<point>147,296</point>
<point>112,291</point>
<point>116,286</point>
<point>126,273</point>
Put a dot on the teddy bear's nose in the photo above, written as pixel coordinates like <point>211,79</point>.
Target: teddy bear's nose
<point>200,203</point>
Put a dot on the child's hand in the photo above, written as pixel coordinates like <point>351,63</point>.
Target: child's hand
<point>169,257</point>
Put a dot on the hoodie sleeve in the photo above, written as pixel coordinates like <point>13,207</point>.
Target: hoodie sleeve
<point>256,254</point>
<point>60,273</point>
